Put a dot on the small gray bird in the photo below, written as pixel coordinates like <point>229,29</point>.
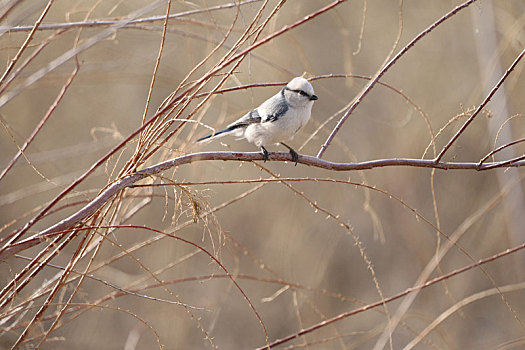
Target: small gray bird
<point>276,120</point>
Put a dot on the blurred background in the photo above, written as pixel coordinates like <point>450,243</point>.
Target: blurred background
<point>302,251</point>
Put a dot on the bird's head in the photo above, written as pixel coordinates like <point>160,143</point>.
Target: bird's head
<point>299,92</point>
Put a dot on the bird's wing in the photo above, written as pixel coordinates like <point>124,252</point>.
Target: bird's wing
<point>236,127</point>
<point>269,111</point>
<point>247,119</point>
<point>273,108</point>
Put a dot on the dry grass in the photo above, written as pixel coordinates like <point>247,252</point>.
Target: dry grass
<point>118,231</point>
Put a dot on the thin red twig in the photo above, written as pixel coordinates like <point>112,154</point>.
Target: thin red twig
<point>26,42</point>
<point>41,124</point>
<point>392,298</point>
<point>15,236</point>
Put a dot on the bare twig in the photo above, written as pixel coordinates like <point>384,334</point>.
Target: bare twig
<point>394,297</point>
<point>41,73</point>
<point>5,84</point>
<point>123,291</point>
<point>384,69</point>
<point>50,111</point>
<point>26,42</point>
<point>167,108</point>
<point>33,78</point>
<point>451,310</point>
<point>481,106</point>
<point>89,237</point>
<point>124,23</point>
<point>494,151</point>
<point>127,181</point>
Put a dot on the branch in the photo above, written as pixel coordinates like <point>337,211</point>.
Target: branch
<point>384,69</point>
<point>44,119</point>
<point>164,109</point>
<point>126,23</point>
<point>394,297</point>
<point>127,181</point>
<point>95,39</point>
<point>34,27</point>
<point>481,106</point>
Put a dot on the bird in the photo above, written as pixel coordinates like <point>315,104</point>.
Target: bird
<point>276,120</point>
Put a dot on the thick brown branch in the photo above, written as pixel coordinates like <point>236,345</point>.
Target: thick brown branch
<point>129,180</point>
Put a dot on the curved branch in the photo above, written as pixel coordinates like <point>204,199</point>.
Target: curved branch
<point>321,163</point>
<point>13,237</point>
<point>128,181</point>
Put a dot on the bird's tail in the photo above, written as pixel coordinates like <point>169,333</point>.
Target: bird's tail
<point>218,133</point>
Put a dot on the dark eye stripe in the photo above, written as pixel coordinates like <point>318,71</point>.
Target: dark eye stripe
<point>300,92</point>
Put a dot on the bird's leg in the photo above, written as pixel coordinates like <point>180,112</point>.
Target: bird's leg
<point>295,155</point>
<point>265,153</point>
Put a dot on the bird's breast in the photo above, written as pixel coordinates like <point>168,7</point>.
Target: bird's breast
<point>279,130</point>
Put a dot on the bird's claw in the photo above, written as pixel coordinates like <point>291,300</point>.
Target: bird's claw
<point>295,156</point>
<point>265,154</point>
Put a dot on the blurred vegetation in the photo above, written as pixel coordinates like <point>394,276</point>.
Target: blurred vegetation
<point>301,252</point>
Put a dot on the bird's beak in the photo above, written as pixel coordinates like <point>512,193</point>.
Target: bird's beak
<point>313,98</point>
